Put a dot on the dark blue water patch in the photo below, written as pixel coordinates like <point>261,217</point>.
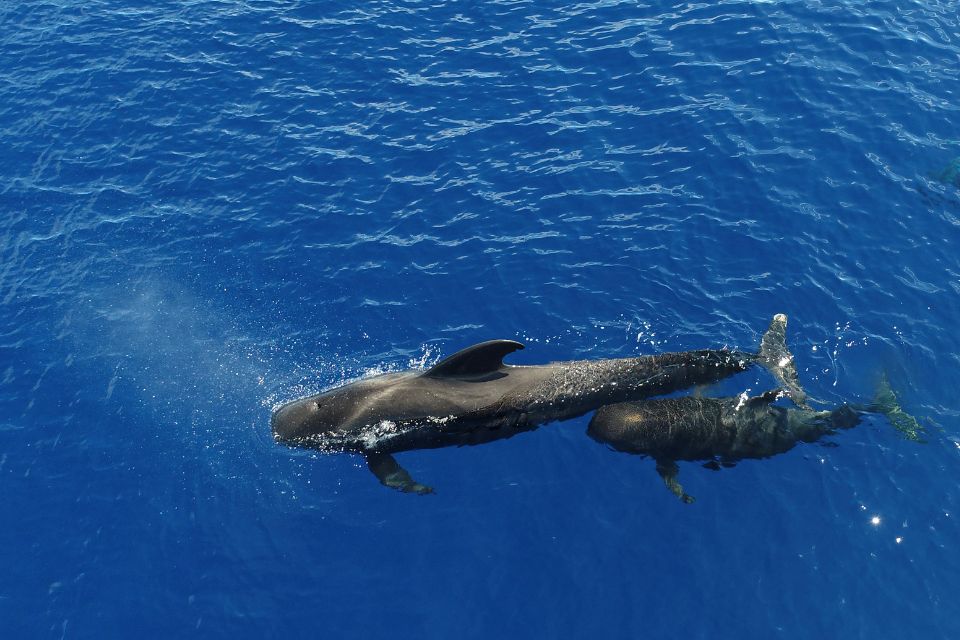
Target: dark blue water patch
<point>212,208</point>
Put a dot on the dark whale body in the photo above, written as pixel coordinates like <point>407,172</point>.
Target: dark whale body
<point>472,397</point>
<point>720,431</point>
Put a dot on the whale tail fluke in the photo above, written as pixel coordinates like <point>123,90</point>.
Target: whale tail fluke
<point>885,401</point>
<point>776,357</point>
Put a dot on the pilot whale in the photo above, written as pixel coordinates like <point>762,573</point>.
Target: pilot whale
<point>472,397</point>
<point>720,431</point>
<point>723,431</point>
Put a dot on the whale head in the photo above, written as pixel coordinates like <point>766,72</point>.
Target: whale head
<point>332,420</point>
<point>295,420</point>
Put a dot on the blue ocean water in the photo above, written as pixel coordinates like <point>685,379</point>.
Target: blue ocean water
<point>209,208</point>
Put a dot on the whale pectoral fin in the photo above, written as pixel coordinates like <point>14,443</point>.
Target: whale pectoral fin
<point>391,474</point>
<point>669,471</point>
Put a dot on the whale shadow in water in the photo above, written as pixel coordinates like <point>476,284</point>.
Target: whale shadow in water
<point>951,173</point>
<point>472,397</point>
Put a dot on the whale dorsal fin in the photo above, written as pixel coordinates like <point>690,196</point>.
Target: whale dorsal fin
<point>767,397</point>
<point>479,359</point>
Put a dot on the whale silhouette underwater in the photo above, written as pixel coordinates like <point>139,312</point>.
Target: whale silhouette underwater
<point>472,397</point>
<point>723,431</point>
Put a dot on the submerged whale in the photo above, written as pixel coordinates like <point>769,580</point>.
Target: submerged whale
<point>472,397</point>
<point>722,431</point>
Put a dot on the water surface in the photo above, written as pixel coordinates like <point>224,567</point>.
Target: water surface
<point>214,207</point>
